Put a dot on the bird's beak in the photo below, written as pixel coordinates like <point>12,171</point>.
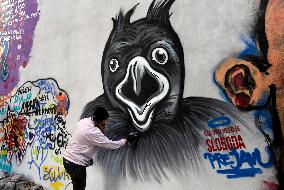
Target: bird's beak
<point>141,89</point>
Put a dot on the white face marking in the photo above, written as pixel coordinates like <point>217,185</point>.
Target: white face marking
<point>160,55</point>
<point>142,114</point>
<point>113,65</point>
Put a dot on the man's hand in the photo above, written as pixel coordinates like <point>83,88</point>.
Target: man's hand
<point>91,162</point>
<point>132,137</point>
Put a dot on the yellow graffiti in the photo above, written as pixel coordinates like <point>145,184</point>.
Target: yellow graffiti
<point>56,185</point>
<point>49,105</point>
<point>35,151</point>
<point>3,152</point>
<point>57,159</point>
<point>54,173</point>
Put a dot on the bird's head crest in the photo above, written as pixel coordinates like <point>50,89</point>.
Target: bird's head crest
<point>158,10</point>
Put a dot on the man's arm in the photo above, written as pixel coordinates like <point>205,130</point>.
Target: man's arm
<point>99,139</point>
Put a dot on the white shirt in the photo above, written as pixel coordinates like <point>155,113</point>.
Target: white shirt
<point>85,140</point>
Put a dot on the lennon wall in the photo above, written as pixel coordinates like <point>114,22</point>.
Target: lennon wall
<point>200,81</point>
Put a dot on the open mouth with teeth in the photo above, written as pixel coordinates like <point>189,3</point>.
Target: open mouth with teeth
<point>141,90</point>
<point>242,84</point>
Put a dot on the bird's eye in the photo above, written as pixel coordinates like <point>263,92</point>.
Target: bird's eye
<point>113,65</point>
<point>160,55</point>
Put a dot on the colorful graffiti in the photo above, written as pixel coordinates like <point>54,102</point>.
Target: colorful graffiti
<point>229,154</point>
<point>143,74</point>
<point>54,173</point>
<point>17,136</point>
<point>4,164</point>
<point>143,77</point>
<point>34,118</point>
<point>253,81</point>
<point>18,21</point>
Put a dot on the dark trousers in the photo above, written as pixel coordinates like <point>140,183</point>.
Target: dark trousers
<point>77,173</point>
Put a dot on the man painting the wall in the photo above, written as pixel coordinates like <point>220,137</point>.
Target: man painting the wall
<point>88,136</point>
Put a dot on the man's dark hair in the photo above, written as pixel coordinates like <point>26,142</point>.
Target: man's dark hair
<point>100,114</point>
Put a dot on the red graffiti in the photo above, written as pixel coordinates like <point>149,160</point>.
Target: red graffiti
<point>225,143</point>
<point>2,137</point>
<point>3,99</point>
<point>15,135</point>
<point>271,185</point>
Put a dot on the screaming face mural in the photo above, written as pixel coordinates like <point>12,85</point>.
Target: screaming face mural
<point>143,80</point>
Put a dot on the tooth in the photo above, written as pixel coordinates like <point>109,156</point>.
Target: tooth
<point>238,72</point>
<point>243,91</point>
<point>137,73</point>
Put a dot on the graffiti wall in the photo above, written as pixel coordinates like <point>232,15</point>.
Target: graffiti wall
<point>33,130</point>
<point>199,82</point>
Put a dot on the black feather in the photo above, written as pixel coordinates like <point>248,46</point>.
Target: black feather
<point>123,21</point>
<point>160,11</point>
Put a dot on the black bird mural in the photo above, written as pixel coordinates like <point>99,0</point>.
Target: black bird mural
<point>143,73</point>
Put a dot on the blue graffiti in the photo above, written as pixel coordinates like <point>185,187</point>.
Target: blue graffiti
<point>250,48</point>
<point>45,121</point>
<point>44,129</point>
<point>3,111</point>
<point>38,156</point>
<point>219,122</point>
<point>264,120</point>
<point>46,86</point>
<point>21,98</point>
<point>4,164</point>
<point>17,108</point>
<point>239,164</point>
<point>55,173</point>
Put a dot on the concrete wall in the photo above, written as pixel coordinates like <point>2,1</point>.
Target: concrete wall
<point>56,71</point>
